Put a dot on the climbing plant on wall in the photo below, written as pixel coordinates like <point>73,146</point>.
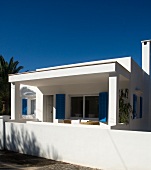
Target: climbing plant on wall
<point>125,108</point>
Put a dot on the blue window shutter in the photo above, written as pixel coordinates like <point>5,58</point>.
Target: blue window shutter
<point>134,105</point>
<point>24,106</point>
<point>141,106</point>
<point>103,106</point>
<point>60,106</point>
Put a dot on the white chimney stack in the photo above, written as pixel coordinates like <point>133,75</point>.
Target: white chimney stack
<point>146,56</point>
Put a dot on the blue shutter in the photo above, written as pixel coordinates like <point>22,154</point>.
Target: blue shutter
<point>24,106</point>
<point>60,106</point>
<point>134,105</point>
<point>103,106</point>
<point>141,106</point>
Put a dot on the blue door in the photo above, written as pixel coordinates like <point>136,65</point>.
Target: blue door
<point>60,106</point>
<point>103,106</point>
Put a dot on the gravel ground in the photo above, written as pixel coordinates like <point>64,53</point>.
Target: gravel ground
<point>13,160</point>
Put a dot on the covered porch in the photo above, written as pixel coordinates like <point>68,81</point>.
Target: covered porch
<point>87,92</point>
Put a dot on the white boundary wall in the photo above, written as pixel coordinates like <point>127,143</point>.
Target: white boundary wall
<point>87,145</point>
<point>2,130</point>
<point>1,133</point>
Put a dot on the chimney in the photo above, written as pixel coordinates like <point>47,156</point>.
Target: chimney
<point>146,56</point>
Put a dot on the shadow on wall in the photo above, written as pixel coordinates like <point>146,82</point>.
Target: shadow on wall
<point>53,154</point>
<point>26,92</point>
<point>24,142</point>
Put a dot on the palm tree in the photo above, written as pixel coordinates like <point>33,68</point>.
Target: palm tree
<point>5,87</point>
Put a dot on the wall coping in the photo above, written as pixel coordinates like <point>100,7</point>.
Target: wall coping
<point>5,117</point>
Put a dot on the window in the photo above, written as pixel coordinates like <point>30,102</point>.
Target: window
<point>28,106</point>
<point>85,106</point>
<point>141,107</point>
<point>33,106</point>
<point>91,106</point>
<point>76,106</point>
<point>137,106</point>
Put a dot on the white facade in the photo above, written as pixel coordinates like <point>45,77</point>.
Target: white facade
<point>77,93</point>
<point>82,80</point>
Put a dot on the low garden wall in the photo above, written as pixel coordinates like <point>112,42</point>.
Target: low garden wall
<point>86,145</point>
<point>3,119</point>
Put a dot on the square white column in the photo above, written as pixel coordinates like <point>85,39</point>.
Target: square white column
<point>16,102</point>
<point>113,113</point>
<point>12,101</point>
<point>39,105</point>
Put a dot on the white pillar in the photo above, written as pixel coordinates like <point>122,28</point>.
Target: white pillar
<point>113,113</point>
<point>12,101</point>
<point>54,109</point>
<point>39,105</point>
<point>16,102</point>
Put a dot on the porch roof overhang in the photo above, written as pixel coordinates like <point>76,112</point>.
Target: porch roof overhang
<point>93,71</point>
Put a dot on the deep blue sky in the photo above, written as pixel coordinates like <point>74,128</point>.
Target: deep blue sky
<point>43,33</point>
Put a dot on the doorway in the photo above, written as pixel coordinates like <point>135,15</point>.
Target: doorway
<point>49,108</point>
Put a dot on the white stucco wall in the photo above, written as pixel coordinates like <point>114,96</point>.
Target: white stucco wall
<point>79,89</point>
<point>39,105</point>
<point>1,133</point>
<point>140,80</point>
<point>27,88</point>
<point>16,103</point>
<point>17,94</point>
<point>70,90</point>
<point>2,130</point>
<point>74,89</point>
<point>84,145</point>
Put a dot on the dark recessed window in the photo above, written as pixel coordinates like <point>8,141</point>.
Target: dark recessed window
<point>91,106</point>
<point>85,106</point>
<point>145,43</point>
<point>77,106</point>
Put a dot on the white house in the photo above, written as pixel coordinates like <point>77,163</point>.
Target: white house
<point>85,91</point>
<point>77,93</point>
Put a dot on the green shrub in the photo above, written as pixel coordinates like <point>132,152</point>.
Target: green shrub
<point>125,108</point>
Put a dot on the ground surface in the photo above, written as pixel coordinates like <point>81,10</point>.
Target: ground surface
<point>12,160</point>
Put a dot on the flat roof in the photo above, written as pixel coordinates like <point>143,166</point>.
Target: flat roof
<point>84,63</point>
<point>70,70</point>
